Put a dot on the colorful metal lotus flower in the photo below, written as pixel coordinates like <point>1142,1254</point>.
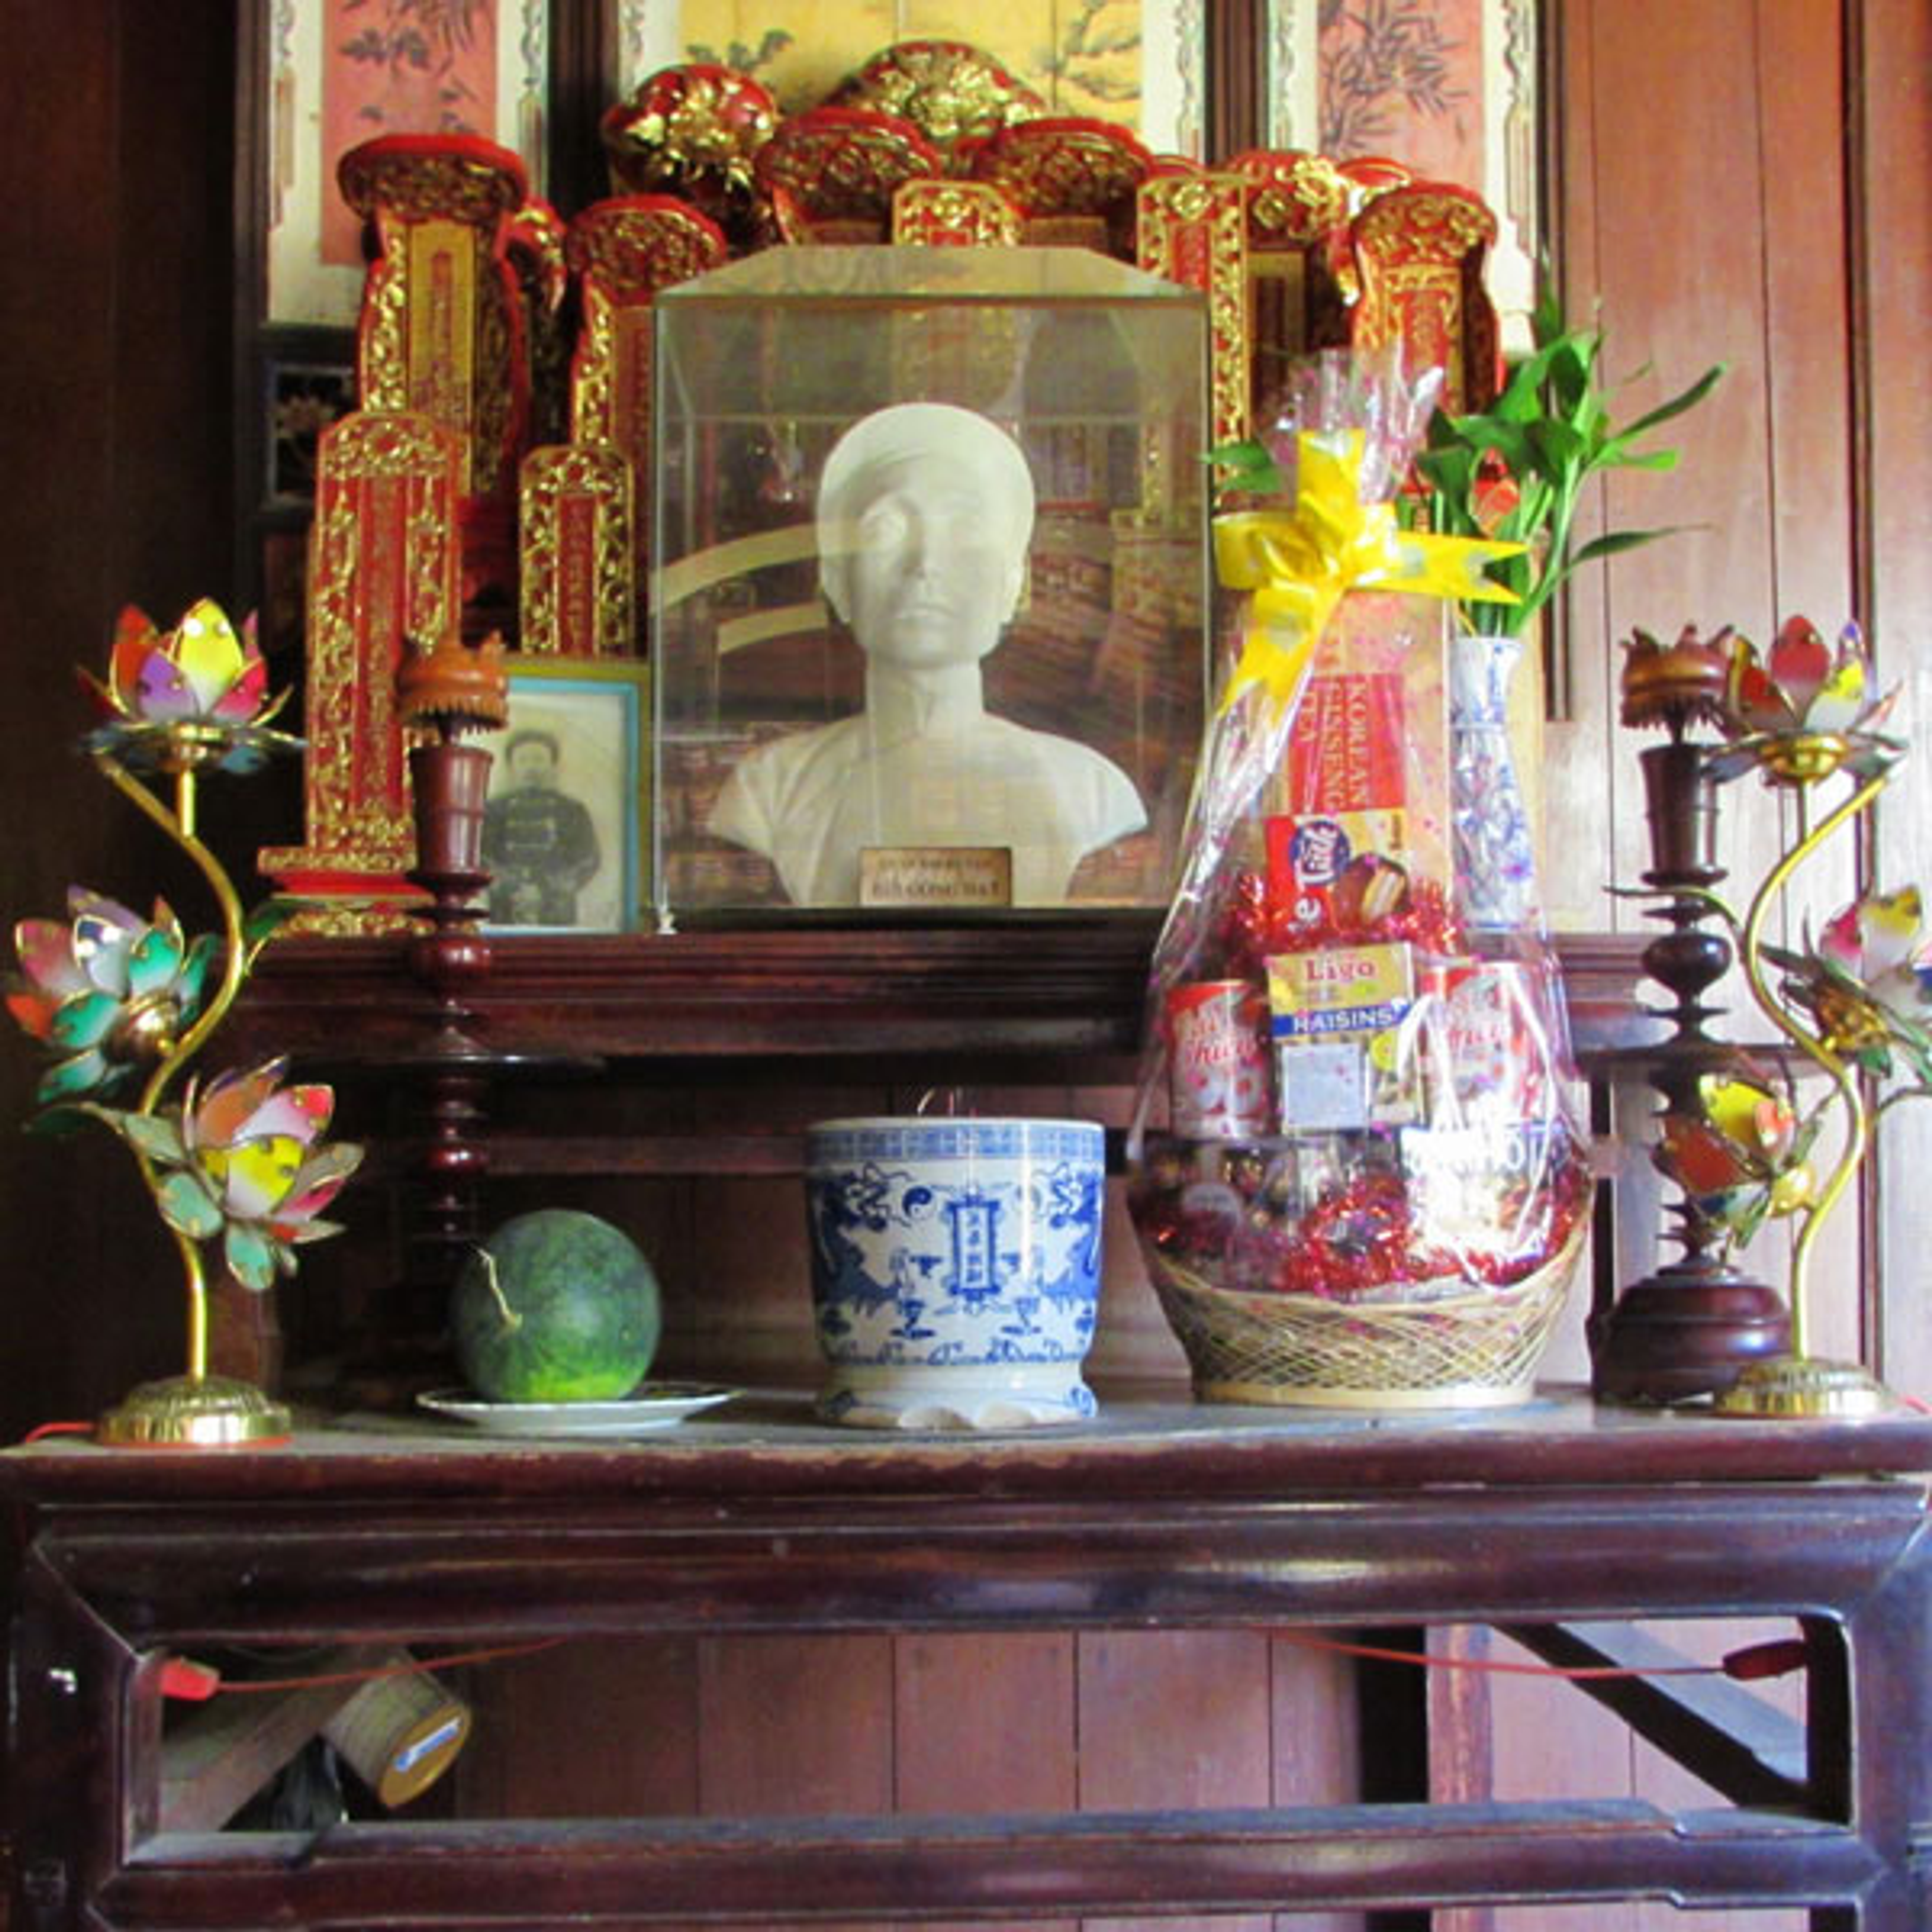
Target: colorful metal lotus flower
<point>1851,1004</point>
<point>1868,985</point>
<point>115,995</point>
<point>108,991</point>
<point>1801,714</point>
<point>1741,1159</point>
<point>243,1159</point>
<point>192,698</point>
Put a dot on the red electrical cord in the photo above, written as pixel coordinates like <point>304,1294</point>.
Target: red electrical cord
<point>182,1678</point>
<point>1776,1658</point>
<point>448,1660</point>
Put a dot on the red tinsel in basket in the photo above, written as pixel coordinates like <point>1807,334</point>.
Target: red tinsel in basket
<point>1364,1235</point>
<point>1254,928</point>
<point>1356,1238</point>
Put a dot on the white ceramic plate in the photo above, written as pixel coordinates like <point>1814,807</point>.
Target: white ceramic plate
<point>654,1406</point>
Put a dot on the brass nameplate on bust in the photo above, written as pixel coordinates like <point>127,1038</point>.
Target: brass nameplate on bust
<point>936,875</point>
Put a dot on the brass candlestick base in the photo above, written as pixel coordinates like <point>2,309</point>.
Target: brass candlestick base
<point>1802,1385</point>
<point>195,1412</point>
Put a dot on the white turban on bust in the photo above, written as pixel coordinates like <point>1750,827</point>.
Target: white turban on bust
<point>984,454</point>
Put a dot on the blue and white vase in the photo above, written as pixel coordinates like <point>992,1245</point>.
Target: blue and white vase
<point>955,1269</point>
<point>1495,844</point>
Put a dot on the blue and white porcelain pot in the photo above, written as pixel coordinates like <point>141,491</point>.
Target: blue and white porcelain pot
<point>955,1269</point>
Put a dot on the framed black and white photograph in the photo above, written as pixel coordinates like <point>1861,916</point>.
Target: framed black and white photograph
<point>563,827</point>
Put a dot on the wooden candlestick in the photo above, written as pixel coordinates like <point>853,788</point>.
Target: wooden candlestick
<point>445,693</point>
<point>1689,1328</point>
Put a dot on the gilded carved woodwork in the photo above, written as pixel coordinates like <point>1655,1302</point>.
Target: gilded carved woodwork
<point>947,89</point>
<point>442,331</point>
<point>622,251</point>
<point>955,214</point>
<point>382,571</point>
<point>1419,251</point>
<point>694,130</point>
<point>831,173</point>
<point>1073,179</point>
<point>1192,230</point>
<point>574,512</point>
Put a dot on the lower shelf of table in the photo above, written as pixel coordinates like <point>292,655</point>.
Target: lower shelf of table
<point>996,1866</point>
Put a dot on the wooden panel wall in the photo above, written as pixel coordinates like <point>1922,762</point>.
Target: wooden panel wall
<point>1893,177</point>
<point>114,427</point>
<point>1748,180</point>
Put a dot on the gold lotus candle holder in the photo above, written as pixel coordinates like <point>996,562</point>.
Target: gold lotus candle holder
<point>1855,1003</point>
<point>118,999</point>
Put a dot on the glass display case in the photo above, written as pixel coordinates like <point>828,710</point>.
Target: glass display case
<point>929,583</point>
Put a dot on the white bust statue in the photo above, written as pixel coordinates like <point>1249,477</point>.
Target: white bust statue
<point>924,514</point>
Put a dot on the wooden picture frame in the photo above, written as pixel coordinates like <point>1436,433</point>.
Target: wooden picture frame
<point>594,713</point>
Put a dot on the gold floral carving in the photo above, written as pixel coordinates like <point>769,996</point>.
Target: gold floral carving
<point>944,88</point>
<point>1419,253</point>
<point>630,254</point>
<point>954,214</point>
<point>440,334</point>
<point>412,187</point>
<point>1061,171</point>
<point>623,257</point>
<point>382,568</point>
<point>610,400</point>
<point>1297,197</point>
<point>573,520</point>
<point>1192,230</point>
<point>690,120</point>
<point>348,917</point>
<point>844,170</point>
<point>596,378</point>
<point>382,348</point>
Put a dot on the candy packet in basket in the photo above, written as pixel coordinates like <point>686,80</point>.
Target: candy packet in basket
<point>1356,1174</point>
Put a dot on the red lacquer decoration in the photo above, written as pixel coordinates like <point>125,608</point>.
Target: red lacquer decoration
<point>382,571</point>
<point>1419,251</point>
<point>693,131</point>
<point>1075,178</point>
<point>442,333</point>
<point>1261,236</point>
<point>830,174</point>
<point>947,89</point>
<point>955,214</point>
<point>623,253</point>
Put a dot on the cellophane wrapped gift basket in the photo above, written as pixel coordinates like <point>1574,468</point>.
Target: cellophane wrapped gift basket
<point>1357,1178</point>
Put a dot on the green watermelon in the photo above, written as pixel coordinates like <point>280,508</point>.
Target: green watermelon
<point>556,1306</point>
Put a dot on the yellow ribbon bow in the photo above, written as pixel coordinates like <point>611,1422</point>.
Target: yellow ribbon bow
<point>1300,563</point>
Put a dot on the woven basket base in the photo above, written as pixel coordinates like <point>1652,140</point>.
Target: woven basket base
<point>1466,1351</point>
<point>1461,1395</point>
